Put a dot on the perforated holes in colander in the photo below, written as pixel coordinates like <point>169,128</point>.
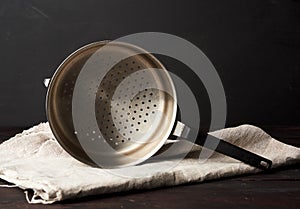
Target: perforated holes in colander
<point>123,114</point>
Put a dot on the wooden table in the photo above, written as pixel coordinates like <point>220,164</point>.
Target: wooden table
<point>279,189</point>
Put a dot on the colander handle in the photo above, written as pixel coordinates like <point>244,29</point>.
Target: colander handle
<point>223,147</point>
<point>236,152</point>
<point>46,82</point>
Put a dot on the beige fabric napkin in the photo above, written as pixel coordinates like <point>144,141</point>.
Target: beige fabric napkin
<point>34,160</point>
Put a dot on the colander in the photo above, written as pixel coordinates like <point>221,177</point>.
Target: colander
<point>133,110</point>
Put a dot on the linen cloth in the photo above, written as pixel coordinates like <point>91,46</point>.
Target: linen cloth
<point>33,160</point>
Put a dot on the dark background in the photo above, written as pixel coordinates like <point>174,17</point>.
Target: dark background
<point>254,45</point>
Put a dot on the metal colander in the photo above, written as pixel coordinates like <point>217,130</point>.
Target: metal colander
<point>134,104</point>
<point>133,115</point>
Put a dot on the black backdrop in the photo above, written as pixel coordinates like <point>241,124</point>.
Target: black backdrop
<point>254,45</point>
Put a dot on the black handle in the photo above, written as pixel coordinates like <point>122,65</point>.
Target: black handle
<point>234,151</point>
